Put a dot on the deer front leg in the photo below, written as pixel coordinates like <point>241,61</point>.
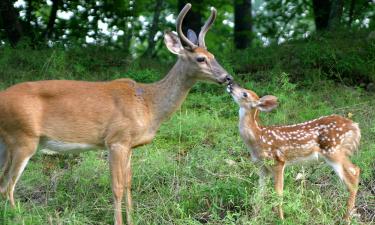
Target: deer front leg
<point>120,166</point>
<point>278,173</point>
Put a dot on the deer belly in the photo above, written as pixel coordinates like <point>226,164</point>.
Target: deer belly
<point>314,156</point>
<point>66,147</point>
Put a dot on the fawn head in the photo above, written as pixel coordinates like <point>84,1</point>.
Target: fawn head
<point>248,99</point>
<point>199,63</point>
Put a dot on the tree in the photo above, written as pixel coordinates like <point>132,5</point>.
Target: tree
<point>242,24</point>
<point>351,12</point>
<point>327,14</point>
<point>193,19</point>
<point>52,18</point>
<point>154,28</point>
<point>335,14</point>
<point>10,21</point>
<point>322,9</point>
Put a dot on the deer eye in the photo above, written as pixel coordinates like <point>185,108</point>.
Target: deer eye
<point>201,59</point>
<point>244,95</point>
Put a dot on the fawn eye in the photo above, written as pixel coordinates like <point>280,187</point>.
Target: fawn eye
<point>244,95</point>
<point>201,59</point>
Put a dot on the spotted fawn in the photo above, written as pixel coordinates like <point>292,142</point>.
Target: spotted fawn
<point>333,138</point>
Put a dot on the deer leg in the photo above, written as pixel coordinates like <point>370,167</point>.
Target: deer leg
<point>351,180</point>
<point>18,161</point>
<point>349,173</point>
<point>5,175</point>
<point>128,185</point>
<point>119,160</point>
<point>278,171</point>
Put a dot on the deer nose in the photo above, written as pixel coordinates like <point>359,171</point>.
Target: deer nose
<point>229,79</point>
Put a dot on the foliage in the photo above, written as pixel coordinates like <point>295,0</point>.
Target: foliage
<point>344,56</point>
<point>128,25</point>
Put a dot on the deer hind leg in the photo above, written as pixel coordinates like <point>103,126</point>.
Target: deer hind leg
<point>17,162</point>
<point>3,154</point>
<point>351,179</point>
<point>120,166</point>
<point>349,173</point>
<point>278,173</point>
<point>5,171</point>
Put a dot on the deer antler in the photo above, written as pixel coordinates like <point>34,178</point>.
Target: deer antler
<point>180,18</point>
<point>206,27</point>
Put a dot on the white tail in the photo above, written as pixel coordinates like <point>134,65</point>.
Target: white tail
<point>333,138</point>
<point>68,116</point>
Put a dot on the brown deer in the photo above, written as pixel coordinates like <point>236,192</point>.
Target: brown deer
<point>71,116</point>
<point>333,138</point>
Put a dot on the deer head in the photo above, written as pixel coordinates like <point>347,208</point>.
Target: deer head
<point>192,51</point>
<point>248,99</point>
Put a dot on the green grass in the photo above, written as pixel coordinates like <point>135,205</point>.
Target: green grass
<point>197,170</point>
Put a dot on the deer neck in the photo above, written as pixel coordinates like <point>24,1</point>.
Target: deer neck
<point>249,125</point>
<point>168,94</point>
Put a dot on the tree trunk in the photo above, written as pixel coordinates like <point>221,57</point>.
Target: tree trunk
<point>11,24</point>
<point>128,31</point>
<point>193,19</point>
<point>327,14</point>
<point>154,28</point>
<point>242,24</point>
<point>351,12</point>
<point>52,18</point>
<point>322,9</point>
<point>335,14</point>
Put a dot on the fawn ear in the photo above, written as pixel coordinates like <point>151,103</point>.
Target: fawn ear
<point>173,43</point>
<point>267,103</point>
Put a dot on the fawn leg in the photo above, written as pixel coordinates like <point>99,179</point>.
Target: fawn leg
<point>349,173</point>
<point>351,179</point>
<point>278,173</point>
<point>263,178</point>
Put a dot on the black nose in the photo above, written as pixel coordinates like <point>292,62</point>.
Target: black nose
<point>229,79</point>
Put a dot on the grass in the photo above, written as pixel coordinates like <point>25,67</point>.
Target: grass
<point>197,170</point>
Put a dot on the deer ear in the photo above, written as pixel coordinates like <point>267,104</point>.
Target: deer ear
<point>192,36</point>
<point>173,43</point>
<point>267,103</point>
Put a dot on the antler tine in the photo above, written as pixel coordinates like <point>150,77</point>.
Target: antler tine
<point>206,27</point>
<point>180,18</point>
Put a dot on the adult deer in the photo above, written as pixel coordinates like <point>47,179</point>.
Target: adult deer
<point>334,138</point>
<point>71,116</point>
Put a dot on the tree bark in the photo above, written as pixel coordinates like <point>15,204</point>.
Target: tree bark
<point>327,14</point>
<point>242,24</point>
<point>11,24</point>
<point>193,19</point>
<point>154,28</point>
<point>52,18</point>
<point>322,9</point>
<point>351,12</point>
<point>335,14</point>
